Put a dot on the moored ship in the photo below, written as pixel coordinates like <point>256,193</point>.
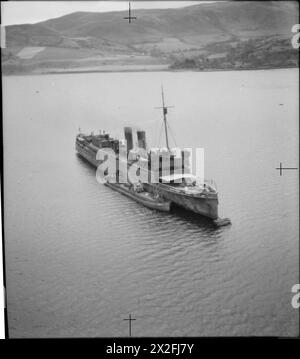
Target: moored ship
<point>182,189</point>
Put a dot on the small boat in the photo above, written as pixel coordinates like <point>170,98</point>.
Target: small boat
<point>150,200</point>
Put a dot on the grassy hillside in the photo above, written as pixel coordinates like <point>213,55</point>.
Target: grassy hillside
<point>255,53</point>
<point>167,36</point>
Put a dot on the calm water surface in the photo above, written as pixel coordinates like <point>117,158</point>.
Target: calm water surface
<point>81,257</point>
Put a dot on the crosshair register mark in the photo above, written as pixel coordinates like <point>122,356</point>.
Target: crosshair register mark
<point>129,18</point>
<point>129,323</point>
<point>280,168</point>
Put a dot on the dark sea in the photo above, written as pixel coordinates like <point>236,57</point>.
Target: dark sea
<point>80,257</point>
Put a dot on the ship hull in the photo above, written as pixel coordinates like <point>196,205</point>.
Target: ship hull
<point>206,206</point>
<point>87,153</point>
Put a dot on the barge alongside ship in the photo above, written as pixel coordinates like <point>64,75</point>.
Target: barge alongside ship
<point>147,199</point>
<point>181,189</point>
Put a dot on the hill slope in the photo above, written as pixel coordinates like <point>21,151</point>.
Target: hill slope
<point>157,36</point>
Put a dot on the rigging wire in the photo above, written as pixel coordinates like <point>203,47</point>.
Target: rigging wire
<point>171,132</point>
<point>159,138</point>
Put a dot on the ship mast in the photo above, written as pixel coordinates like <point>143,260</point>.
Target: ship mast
<point>165,111</point>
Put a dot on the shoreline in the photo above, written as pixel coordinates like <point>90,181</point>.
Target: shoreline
<point>146,68</point>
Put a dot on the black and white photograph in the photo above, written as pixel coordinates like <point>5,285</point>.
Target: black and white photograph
<point>150,170</point>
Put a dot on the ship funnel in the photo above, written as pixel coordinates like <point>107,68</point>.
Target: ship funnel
<point>141,136</point>
<point>128,138</point>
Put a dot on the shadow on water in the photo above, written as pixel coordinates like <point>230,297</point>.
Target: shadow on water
<point>196,220</point>
<point>85,163</point>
